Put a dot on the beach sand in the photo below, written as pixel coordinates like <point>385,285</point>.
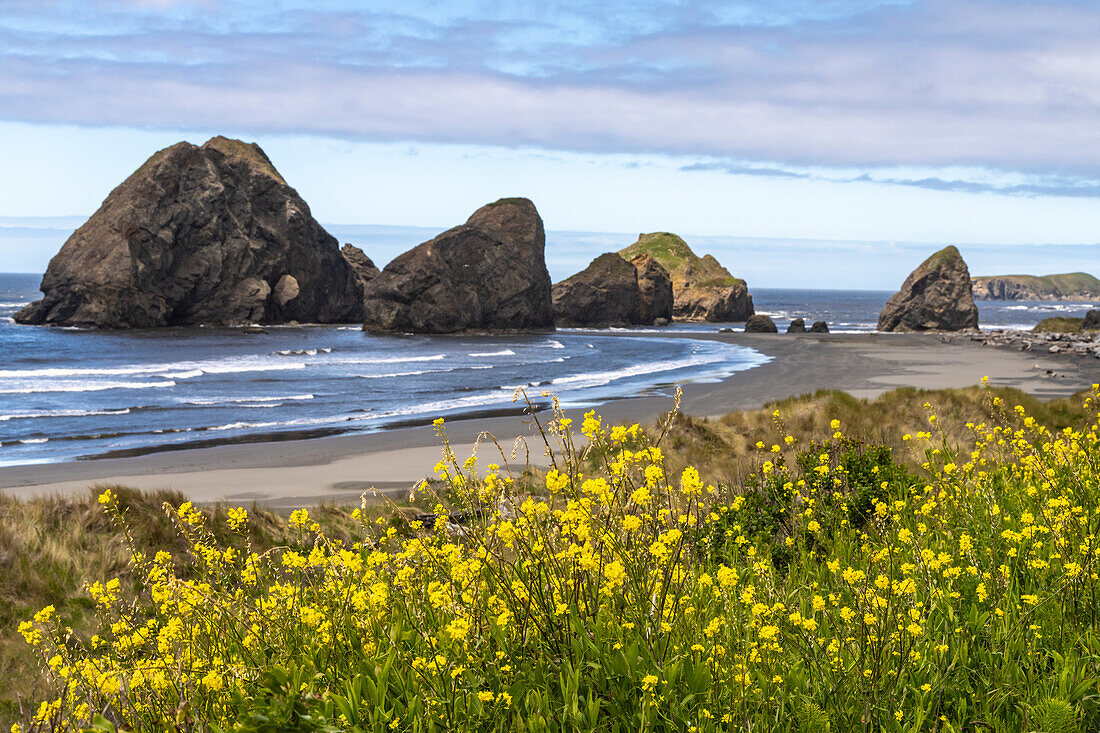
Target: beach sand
<point>292,473</point>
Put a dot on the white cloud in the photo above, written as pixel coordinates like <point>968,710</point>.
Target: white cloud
<point>1008,85</point>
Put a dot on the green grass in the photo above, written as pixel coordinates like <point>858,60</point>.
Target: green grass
<point>1061,285</point>
<point>513,200</point>
<point>246,151</point>
<point>945,256</point>
<point>943,581</point>
<point>1059,324</point>
<point>49,548</point>
<point>674,254</point>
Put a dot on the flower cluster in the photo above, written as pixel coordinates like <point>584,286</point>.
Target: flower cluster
<point>833,588</point>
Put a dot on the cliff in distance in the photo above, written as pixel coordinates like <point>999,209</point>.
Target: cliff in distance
<point>1067,286</point>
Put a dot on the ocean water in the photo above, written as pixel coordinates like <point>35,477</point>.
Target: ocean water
<point>856,311</point>
<point>70,394</point>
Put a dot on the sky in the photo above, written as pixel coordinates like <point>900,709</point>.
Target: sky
<point>827,143</point>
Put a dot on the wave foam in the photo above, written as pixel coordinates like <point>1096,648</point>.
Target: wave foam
<point>405,374</point>
<point>61,413</point>
<point>598,379</point>
<point>503,352</point>
<point>88,387</point>
<point>208,401</point>
<point>391,360</point>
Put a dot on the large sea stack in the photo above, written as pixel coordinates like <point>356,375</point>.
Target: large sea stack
<point>655,297</point>
<point>614,292</point>
<point>199,235</point>
<point>935,297</point>
<point>603,294</point>
<point>487,274</point>
<point>702,289</point>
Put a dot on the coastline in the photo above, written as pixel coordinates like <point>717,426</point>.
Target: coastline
<point>289,473</point>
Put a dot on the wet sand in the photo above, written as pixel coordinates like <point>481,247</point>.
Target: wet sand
<point>292,473</point>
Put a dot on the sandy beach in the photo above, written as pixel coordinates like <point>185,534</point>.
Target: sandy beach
<point>293,473</point>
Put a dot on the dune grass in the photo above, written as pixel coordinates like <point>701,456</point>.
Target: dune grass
<point>926,561</point>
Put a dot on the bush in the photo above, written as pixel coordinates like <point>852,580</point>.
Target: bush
<point>835,591</point>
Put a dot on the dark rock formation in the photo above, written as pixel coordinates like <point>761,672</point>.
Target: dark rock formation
<point>604,293</point>
<point>702,289</point>
<point>1092,321</point>
<point>199,235</point>
<point>359,262</point>
<point>935,297</point>
<point>760,324</point>
<point>654,290</point>
<point>798,325</point>
<point>819,327</point>
<point>487,274</point>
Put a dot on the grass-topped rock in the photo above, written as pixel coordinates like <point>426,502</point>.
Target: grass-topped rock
<point>1059,324</point>
<point>702,288</point>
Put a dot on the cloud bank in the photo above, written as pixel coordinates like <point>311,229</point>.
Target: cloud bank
<point>1007,88</point>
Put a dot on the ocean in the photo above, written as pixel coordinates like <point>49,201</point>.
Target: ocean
<point>70,394</point>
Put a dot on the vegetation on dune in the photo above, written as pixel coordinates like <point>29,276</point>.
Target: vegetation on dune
<point>1059,324</point>
<point>943,581</point>
<point>51,547</point>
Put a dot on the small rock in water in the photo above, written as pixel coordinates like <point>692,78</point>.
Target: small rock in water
<point>798,325</point>
<point>819,327</point>
<point>760,324</point>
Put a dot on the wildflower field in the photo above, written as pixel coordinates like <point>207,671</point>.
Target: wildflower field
<point>832,587</point>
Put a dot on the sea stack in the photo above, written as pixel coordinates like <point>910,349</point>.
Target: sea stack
<point>487,274</point>
<point>199,235</point>
<point>655,297</point>
<point>360,263</point>
<point>702,289</point>
<point>614,292</point>
<point>603,294</point>
<point>935,297</point>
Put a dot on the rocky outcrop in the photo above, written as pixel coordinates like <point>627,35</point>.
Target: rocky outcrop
<point>1068,286</point>
<point>702,289</point>
<point>760,324</point>
<point>487,274</point>
<point>1092,321</point>
<point>604,293</point>
<point>614,292</point>
<point>935,297</point>
<point>798,325</point>
<point>359,262</point>
<point>655,297</point>
<point>199,235</point>
<point>819,327</point>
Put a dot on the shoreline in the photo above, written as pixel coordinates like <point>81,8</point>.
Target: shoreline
<point>295,472</point>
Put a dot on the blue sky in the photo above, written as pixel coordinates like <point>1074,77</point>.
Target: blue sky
<point>871,126</point>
